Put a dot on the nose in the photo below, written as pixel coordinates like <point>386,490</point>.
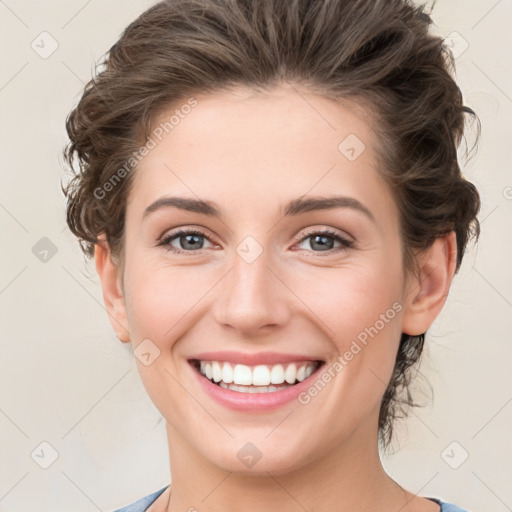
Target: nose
<point>252,298</point>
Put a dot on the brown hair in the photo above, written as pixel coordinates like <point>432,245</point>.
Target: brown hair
<point>375,53</point>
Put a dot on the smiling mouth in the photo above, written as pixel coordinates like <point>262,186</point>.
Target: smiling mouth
<point>255,379</point>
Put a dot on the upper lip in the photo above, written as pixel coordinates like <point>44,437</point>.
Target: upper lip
<point>253,359</point>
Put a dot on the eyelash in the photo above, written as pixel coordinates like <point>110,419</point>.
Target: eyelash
<point>345,243</point>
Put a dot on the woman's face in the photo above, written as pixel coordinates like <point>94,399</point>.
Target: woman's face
<point>259,279</point>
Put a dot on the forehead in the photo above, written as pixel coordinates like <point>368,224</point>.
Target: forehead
<point>247,149</point>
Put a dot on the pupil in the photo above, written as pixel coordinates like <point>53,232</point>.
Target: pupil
<point>187,238</point>
<point>323,244</point>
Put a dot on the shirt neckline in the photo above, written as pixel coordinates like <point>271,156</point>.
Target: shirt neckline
<point>435,500</point>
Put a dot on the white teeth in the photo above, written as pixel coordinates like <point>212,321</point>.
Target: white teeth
<point>208,370</point>
<point>258,377</point>
<point>216,371</point>
<point>242,375</point>
<point>227,373</point>
<point>277,374</point>
<point>261,376</point>
<point>255,389</point>
<point>290,374</point>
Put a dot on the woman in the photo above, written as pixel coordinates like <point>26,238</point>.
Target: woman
<point>272,196</point>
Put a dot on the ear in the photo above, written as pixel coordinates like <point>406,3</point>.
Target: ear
<point>111,277</point>
<point>427,291</point>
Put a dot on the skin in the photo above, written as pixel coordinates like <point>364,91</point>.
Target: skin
<point>250,153</point>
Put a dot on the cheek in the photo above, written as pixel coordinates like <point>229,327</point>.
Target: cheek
<point>360,311</point>
<point>160,298</point>
<point>160,303</point>
<point>352,298</point>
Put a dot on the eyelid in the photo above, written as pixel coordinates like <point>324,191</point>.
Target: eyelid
<point>326,231</point>
<point>190,228</point>
<point>346,242</point>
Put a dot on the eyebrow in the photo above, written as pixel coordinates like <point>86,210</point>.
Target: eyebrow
<point>293,208</point>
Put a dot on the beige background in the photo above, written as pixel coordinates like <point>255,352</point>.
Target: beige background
<point>66,380</point>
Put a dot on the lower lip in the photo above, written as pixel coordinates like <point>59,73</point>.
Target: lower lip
<point>254,401</point>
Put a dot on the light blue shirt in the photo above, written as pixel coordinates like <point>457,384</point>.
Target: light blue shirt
<point>142,504</point>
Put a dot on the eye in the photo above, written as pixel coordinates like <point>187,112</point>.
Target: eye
<point>192,240</point>
<point>324,241</point>
<point>188,240</point>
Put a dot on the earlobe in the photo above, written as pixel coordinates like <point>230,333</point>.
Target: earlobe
<point>427,291</point>
<point>110,277</point>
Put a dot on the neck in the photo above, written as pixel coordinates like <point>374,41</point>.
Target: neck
<point>344,478</point>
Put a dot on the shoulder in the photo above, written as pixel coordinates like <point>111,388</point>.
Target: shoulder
<point>143,503</point>
<point>448,507</point>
